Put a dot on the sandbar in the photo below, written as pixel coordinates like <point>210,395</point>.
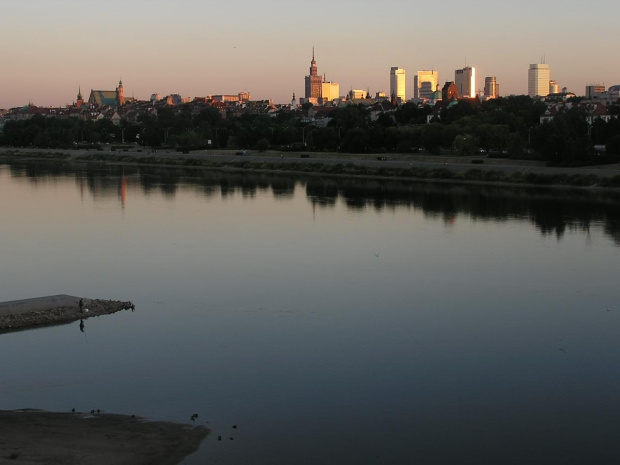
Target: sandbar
<point>35,437</point>
<point>53,310</point>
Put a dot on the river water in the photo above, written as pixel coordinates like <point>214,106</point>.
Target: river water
<point>331,321</point>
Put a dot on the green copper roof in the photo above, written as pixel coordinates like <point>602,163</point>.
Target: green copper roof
<point>104,97</point>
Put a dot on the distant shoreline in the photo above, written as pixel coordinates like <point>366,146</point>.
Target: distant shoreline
<point>414,167</point>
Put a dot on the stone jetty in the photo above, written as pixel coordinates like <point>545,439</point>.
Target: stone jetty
<point>54,310</point>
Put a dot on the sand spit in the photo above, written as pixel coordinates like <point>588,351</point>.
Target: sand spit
<point>54,310</point>
<point>34,437</point>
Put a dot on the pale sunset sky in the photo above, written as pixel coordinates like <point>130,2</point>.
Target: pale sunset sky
<point>200,47</point>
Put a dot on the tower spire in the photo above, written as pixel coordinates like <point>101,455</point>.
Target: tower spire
<point>313,53</point>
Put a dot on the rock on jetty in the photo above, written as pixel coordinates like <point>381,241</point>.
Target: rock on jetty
<point>54,310</point>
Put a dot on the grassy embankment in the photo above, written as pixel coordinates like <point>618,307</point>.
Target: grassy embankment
<point>347,169</point>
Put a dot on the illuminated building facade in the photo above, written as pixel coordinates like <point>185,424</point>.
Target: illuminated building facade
<point>397,84</point>
<point>425,83</point>
<point>538,80</point>
<point>491,87</point>
<point>330,91</point>
<point>465,80</point>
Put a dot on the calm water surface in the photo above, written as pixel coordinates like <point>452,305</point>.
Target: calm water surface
<point>333,322</point>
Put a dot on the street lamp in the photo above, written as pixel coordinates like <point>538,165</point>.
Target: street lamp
<point>303,134</point>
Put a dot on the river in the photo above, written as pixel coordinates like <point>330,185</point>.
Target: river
<point>330,321</point>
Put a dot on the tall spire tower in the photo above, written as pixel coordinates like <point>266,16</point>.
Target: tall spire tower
<point>80,99</point>
<point>313,68</point>
<point>120,93</point>
<point>313,81</point>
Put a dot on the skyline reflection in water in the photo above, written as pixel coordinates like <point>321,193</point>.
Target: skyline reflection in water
<point>551,211</point>
<point>334,321</point>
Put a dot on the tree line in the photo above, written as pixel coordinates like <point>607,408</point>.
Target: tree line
<point>503,127</point>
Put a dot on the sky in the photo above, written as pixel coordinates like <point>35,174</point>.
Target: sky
<point>51,48</point>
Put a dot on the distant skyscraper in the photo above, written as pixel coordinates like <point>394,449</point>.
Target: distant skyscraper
<point>425,83</point>
<point>538,80</point>
<point>313,81</point>
<point>397,83</point>
<point>491,87</point>
<point>465,80</point>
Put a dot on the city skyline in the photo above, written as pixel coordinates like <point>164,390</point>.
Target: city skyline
<point>195,49</point>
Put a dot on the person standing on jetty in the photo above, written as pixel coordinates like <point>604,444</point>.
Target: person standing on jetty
<point>81,305</point>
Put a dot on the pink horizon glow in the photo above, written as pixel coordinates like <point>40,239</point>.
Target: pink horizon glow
<point>50,49</point>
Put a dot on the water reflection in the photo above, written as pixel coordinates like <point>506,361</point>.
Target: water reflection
<point>553,212</point>
<point>345,337</point>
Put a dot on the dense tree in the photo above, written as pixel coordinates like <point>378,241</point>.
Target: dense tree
<point>323,139</point>
<point>350,117</point>
<point>356,141</point>
<point>507,126</point>
<point>432,137</point>
<point>613,145</point>
<point>262,145</point>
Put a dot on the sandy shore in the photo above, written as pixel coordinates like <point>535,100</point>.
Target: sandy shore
<point>35,437</point>
<point>53,310</point>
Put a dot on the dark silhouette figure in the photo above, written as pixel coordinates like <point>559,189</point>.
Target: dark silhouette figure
<point>81,305</point>
<point>82,325</point>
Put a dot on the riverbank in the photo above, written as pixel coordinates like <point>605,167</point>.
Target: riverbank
<point>53,310</point>
<point>34,437</point>
<point>479,170</point>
